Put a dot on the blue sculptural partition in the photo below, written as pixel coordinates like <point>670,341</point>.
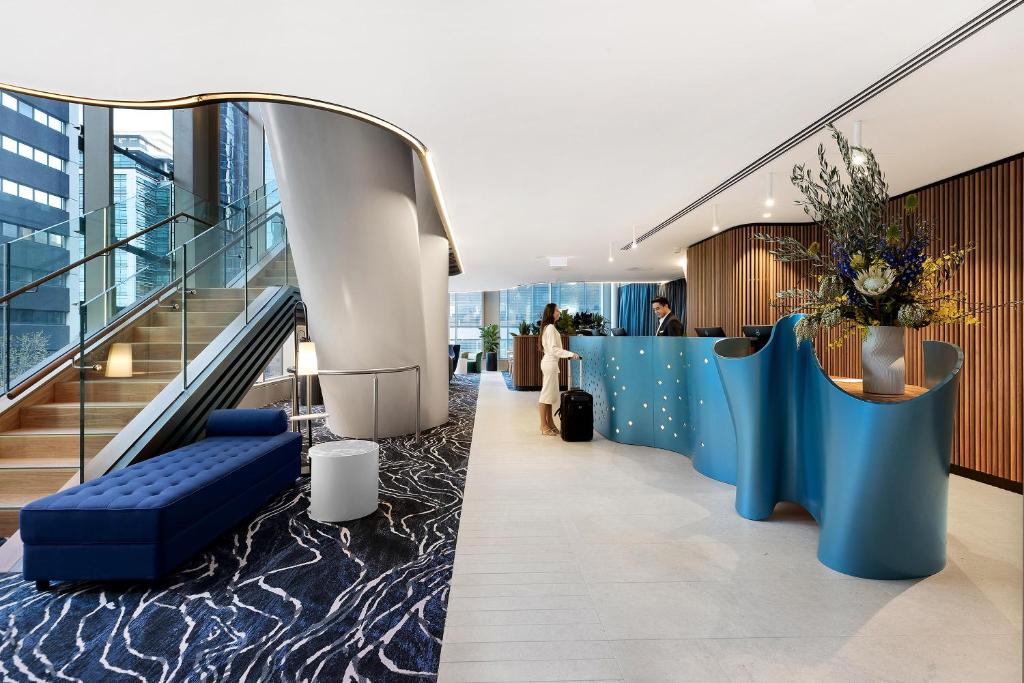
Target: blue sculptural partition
<point>873,474</point>
<point>663,392</point>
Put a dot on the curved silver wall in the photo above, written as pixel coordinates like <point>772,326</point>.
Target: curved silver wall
<point>369,262</point>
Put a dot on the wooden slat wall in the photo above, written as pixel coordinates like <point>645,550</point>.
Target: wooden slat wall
<point>731,279</point>
<point>526,356</point>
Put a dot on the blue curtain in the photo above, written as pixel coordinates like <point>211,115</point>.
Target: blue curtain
<point>675,292</point>
<point>635,312</point>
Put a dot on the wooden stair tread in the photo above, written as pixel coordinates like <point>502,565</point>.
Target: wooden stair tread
<point>119,380</point>
<point>60,431</point>
<point>90,404</point>
<point>12,462</point>
<point>16,501</point>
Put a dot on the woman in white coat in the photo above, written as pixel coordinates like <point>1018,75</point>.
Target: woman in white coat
<point>551,344</point>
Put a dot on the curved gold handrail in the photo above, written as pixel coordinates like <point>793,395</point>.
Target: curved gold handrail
<point>421,150</point>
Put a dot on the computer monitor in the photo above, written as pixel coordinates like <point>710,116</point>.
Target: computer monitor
<point>758,335</point>
<point>710,332</point>
<point>619,332</point>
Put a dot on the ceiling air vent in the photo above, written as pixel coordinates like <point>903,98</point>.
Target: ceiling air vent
<point>558,262</point>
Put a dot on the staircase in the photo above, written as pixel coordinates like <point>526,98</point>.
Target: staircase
<point>40,435</point>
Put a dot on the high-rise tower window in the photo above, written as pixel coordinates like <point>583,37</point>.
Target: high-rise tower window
<point>26,109</point>
<point>9,144</point>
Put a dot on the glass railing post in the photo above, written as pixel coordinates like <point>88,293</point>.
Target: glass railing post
<point>284,239</point>
<point>184,316</point>
<point>245,267</point>
<point>7,318</point>
<point>82,329</point>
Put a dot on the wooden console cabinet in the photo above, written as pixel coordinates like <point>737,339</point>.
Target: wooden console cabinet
<point>526,363</point>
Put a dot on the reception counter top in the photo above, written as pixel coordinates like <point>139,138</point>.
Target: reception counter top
<point>873,474</point>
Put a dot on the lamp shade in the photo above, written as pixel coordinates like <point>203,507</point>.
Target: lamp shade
<point>305,363</point>
<point>119,361</point>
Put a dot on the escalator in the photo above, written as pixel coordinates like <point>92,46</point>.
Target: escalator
<point>184,333</point>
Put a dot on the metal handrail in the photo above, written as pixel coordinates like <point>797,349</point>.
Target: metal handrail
<point>376,389</point>
<point>32,286</point>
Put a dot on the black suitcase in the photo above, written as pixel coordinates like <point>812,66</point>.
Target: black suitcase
<point>576,411</point>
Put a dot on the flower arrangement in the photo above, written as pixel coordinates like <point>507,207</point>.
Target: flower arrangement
<point>877,271</point>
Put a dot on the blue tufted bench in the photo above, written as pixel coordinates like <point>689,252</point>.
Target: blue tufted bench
<point>142,521</point>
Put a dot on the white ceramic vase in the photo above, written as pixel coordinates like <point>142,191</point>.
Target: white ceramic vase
<point>882,357</point>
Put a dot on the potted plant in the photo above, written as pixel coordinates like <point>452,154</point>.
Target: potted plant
<point>490,341</point>
<point>564,323</point>
<point>876,274</point>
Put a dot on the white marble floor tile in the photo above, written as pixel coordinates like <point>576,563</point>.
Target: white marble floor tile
<point>600,561</point>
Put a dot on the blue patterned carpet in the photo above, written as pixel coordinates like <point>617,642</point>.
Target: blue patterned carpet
<point>507,376</point>
<point>282,598</point>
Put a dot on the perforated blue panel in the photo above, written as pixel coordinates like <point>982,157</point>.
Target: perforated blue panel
<point>874,475</point>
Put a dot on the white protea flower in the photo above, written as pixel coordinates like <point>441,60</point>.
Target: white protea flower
<point>874,281</point>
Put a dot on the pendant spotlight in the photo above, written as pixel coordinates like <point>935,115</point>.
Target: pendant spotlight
<point>611,248</point>
<point>714,218</point>
<point>633,245</point>
<point>769,200</point>
<point>857,157</point>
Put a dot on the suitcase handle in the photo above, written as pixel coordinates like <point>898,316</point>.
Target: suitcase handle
<point>569,383</point>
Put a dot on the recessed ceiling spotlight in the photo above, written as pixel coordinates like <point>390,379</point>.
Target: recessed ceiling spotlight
<point>766,214</point>
<point>714,218</point>
<point>769,200</point>
<point>857,156</point>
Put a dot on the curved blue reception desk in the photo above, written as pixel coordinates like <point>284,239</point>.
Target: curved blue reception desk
<point>874,475</point>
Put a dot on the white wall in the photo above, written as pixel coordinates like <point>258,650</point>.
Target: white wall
<point>348,191</point>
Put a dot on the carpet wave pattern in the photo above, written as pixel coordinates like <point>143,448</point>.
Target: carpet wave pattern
<point>282,597</point>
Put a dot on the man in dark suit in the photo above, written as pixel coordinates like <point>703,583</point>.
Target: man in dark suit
<point>668,324</point>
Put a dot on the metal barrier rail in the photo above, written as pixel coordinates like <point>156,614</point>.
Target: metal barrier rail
<point>376,372</point>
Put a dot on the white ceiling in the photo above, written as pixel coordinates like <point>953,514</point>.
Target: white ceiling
<point>557,126</point>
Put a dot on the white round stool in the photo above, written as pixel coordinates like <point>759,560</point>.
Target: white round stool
<point>343,480</point>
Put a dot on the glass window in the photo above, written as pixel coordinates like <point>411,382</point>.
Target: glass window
<point>25,192</point>
<point>10,230</point>
<point>56,163</point>
<point>41,237</point>
<point>41,197</point>
<point>233,152</point>
<point>57,202</point>
<point>41,156</point>
<point>56,124</point>
<point>9,187</point>
<point>24,109</point>
<point>8,101</point>
<point>40,116</point>
<point>526,304</point>
<point>10,144</point>
<point>24,150</point>
<point>465,316</point>
<point>56,240</point>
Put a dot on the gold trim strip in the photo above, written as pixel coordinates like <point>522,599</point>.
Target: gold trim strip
<point>422,152</point>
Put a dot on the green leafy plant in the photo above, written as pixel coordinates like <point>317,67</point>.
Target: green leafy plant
<point>586,320</point>
<point>490,338</point>
<point>526,328</point>
<point>564,323</point>
<point>875,269</point>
